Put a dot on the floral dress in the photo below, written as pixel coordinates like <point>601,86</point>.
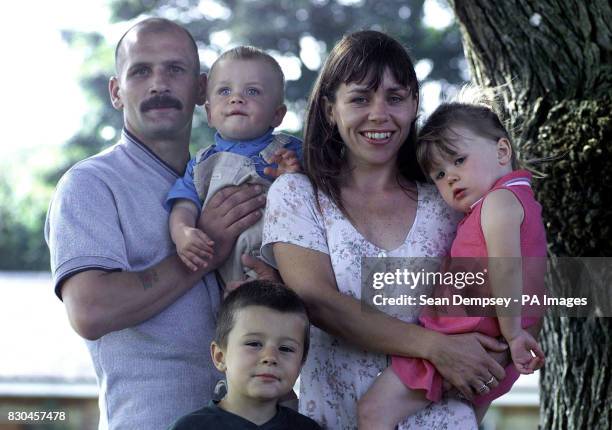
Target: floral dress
<point>337,373</point>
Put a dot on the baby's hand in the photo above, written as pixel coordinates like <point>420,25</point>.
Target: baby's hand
<point>287,161</point>
<point>521,348</point>
<point>194,248</point>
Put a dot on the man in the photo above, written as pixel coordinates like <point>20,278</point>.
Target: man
<point>148,319</point>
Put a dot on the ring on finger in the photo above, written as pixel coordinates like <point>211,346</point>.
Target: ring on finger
<point>490,381</point>
<point>483,388</point>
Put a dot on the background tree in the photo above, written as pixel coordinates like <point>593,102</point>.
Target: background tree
<point>552,59</point>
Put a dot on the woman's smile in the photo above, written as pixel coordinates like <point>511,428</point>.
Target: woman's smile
<point>373,122</point>
<point>377,137</point>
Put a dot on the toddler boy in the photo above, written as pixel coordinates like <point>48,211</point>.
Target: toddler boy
<point>260,344</point>
<point>244,103</point>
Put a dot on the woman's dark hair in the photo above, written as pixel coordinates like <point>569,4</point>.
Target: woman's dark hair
<point>267,294</point>
<point>361,57</point>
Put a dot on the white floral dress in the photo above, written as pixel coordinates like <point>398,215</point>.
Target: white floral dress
<point>336,373</point>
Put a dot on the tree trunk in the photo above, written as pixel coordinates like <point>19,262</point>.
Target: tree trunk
<point>551,60</point>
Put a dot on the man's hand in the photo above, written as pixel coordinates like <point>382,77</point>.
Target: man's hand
<point>228,213</point>
<point>264,272</point>
<point>287,161</point>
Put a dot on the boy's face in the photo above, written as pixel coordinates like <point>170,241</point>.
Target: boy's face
<point>244,99</point>
<point>263,356</point>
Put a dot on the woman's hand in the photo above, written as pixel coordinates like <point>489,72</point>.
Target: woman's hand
<point>464,361</point>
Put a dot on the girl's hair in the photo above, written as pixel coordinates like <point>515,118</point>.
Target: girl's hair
<point>475,109</point>
<point>361,57</point>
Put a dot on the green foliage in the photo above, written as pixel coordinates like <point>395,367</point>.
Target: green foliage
<point>22,245</point>
<point>580,131</point>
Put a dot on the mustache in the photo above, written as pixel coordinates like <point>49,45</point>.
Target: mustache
<point>161,101</point>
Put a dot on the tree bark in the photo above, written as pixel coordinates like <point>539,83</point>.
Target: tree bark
<point>551,62</point>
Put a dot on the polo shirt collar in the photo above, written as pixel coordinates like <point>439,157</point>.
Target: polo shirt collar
<point>132,141</point>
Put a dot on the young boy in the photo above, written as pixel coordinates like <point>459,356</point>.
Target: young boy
<point>260,344</point>
<point>244,103</point>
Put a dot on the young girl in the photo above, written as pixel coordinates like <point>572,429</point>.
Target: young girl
<point>467,153</point>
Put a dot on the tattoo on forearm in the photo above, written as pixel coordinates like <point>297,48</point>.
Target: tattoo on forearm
<point>148,277</point>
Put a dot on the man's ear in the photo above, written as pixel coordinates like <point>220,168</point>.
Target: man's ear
<point>279,114</point>
<point>114,92</point>
<point>218,356</point>
<point>504,151</point>
<point>202,82</point>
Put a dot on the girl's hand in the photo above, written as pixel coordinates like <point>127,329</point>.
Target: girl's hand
<point>526,353</point>
<point>287,161</point>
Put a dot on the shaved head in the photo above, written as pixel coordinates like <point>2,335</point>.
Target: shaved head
<point>153,26</point>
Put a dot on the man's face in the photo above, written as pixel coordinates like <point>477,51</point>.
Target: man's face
<point>158,84</point>
<point>244,99</point>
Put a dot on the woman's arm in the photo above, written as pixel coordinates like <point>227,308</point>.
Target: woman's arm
<point>461,359</point>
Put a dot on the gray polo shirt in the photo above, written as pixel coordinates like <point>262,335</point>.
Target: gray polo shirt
<point>107,213</point>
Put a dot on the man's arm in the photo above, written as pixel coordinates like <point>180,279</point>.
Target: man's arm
<point>99,302</point>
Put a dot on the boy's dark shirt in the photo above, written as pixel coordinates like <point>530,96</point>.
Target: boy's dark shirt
<point>214,418</point>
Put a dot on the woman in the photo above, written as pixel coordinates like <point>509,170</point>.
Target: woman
<point>362,196</point>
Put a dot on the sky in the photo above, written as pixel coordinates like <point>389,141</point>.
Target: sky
<point>42,71</point>
<point>44,104</point>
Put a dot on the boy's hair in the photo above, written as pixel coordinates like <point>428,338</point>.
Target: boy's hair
<point>361,57</point>
<point>268,294</point>
<point>245,52</point>
<point>475,109</point>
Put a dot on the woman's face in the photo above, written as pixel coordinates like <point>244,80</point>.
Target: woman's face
<point>373,123</point>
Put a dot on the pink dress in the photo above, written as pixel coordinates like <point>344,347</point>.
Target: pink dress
<point>418,373</point>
